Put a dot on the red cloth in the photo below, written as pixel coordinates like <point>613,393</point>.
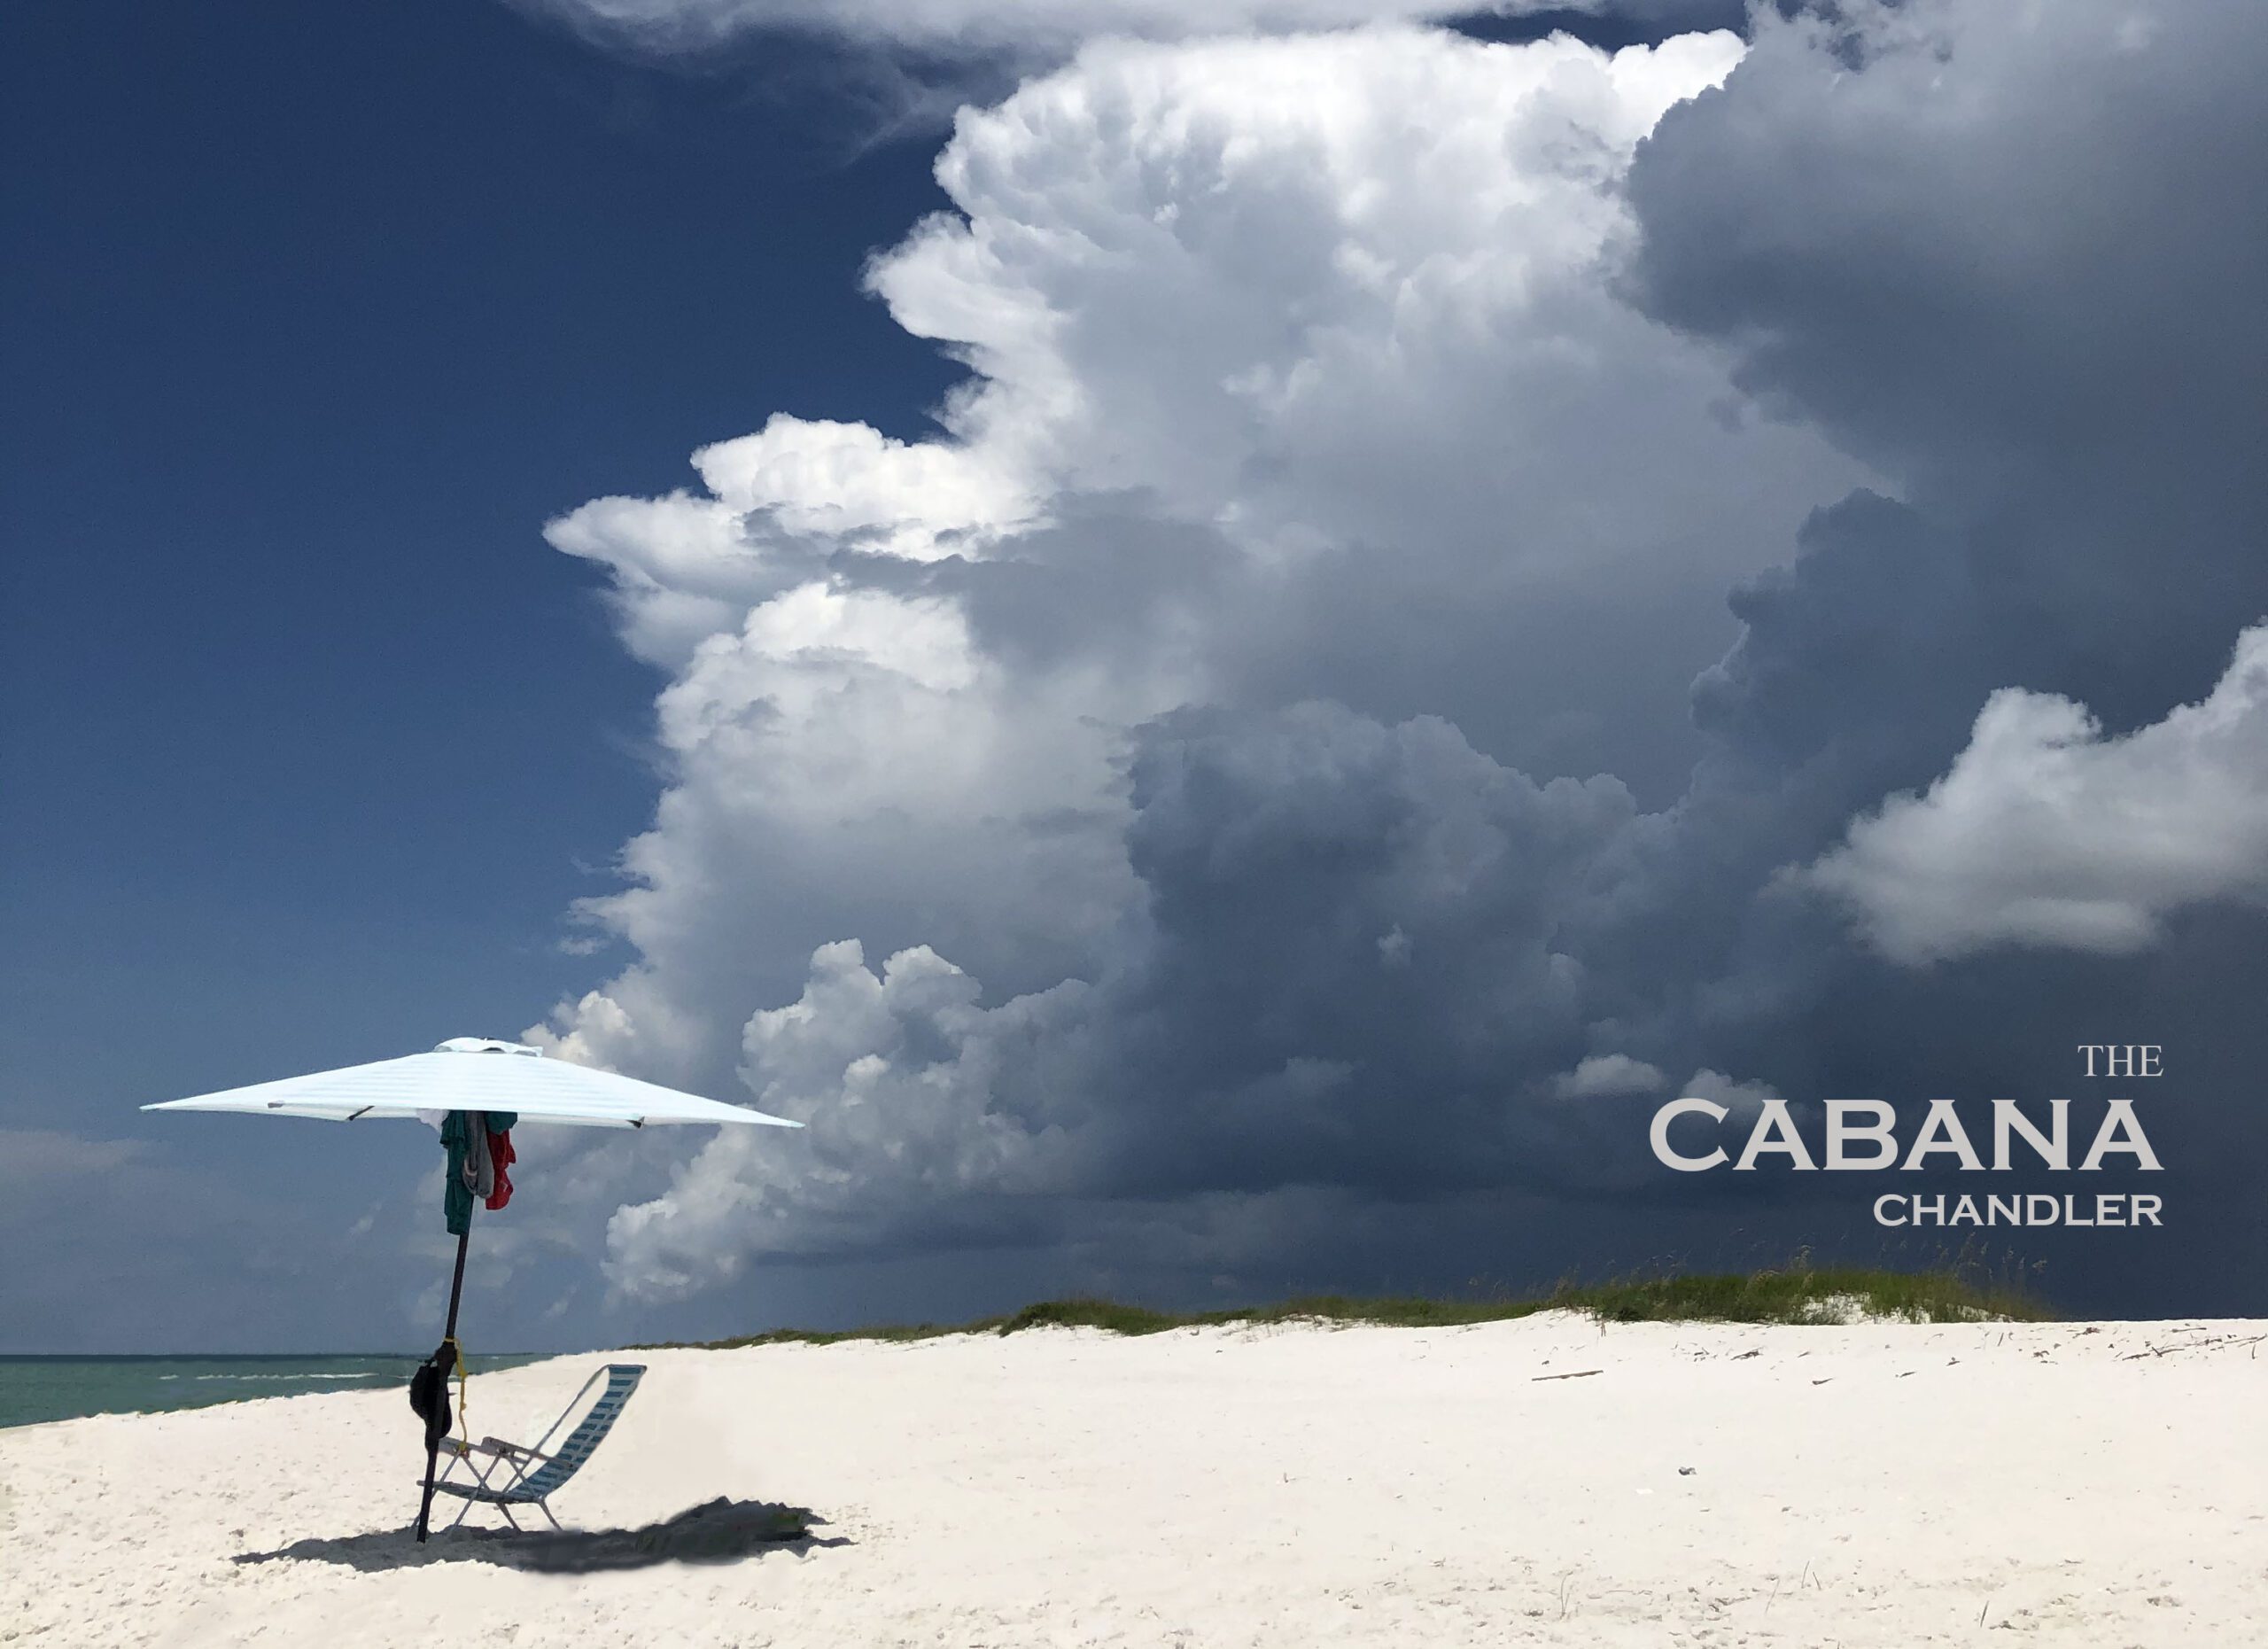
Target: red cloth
<point>500,1152</point>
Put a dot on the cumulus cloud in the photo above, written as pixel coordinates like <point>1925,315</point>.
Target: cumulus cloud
<point>1259,331</point>
<point>1605,1074</point>
<point>1244,1034</point>
<point>1213,725</point>
<point>2044,831</point>
<point>915,1099</point>
<point>1738,1096</point>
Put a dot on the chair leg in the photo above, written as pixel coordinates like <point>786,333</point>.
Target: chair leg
<point>508,1518</point>
<point>545,1508</point>
<point>462,1457</point>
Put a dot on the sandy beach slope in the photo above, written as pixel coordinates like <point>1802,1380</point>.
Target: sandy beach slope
<point>1873,1485</point>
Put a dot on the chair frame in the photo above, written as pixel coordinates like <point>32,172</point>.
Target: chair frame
<point>522,1462</point>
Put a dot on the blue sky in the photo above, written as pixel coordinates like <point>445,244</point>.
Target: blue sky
<point>318,316</point>
<point>1222,640</point>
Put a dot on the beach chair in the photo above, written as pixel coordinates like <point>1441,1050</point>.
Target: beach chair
<point>514,1475</point>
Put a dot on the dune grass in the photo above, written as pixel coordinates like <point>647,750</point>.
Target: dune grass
<point>1796,1294</point>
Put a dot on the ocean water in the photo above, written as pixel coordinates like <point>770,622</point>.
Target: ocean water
<point>35,1388</point>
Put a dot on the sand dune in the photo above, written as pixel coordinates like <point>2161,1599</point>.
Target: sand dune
<point>1708,1484</point>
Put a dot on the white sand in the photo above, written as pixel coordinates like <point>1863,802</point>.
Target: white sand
<point>1860,1485</point>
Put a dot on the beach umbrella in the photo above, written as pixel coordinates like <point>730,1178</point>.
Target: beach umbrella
<point>472,1087</point>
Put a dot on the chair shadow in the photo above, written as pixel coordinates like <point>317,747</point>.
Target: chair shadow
<point>718,1531</point>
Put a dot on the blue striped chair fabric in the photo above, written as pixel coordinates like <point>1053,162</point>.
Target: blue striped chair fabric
<point>535,1486</point>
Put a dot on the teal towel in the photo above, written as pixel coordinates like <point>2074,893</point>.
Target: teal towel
<point>456,1140</point>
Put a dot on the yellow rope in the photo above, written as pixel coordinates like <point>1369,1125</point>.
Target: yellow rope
<point>465,1434</point>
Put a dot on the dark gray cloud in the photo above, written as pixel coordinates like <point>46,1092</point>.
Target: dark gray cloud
<point>1354,946</point>
<point>2001,256</point>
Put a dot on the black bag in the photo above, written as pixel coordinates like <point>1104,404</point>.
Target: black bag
<point>428,1392</point>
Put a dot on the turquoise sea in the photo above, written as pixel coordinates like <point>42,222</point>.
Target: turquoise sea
<point>35,1388</point>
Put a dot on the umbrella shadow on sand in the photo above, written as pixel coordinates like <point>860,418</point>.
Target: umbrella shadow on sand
<point>719,1531</point>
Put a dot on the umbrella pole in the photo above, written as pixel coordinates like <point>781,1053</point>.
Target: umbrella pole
<point>449,1335</point>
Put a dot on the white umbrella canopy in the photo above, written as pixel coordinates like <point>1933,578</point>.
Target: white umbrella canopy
<point>474,1074</point>
<point>507,1080</point>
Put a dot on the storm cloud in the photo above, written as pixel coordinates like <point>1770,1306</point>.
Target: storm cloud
<point>1436,537</point>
